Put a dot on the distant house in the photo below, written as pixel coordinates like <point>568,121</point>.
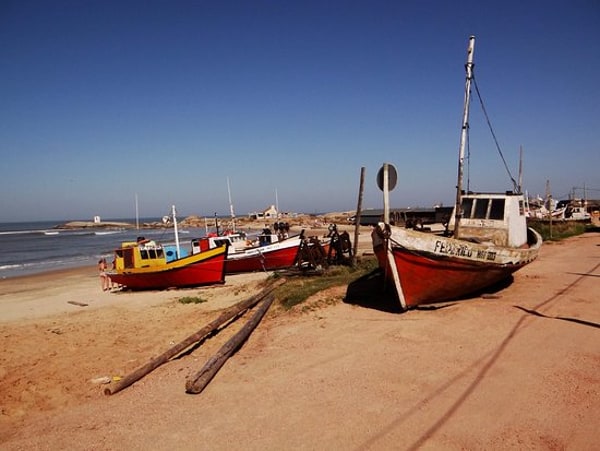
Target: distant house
<point>97,220</point>
<point>269,213</point>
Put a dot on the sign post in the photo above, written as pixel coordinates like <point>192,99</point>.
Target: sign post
<point>386,181</point>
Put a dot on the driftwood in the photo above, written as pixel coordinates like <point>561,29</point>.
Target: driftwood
<point>200,380</point>
<point>227,315</point>
<point>80,304</point>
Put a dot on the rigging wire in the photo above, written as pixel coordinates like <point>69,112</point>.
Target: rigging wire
<point>515,189</point>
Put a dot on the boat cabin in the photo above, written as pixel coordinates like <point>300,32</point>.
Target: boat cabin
<point>497,218</point>
<point>237,242</point>
<point>145,254</point>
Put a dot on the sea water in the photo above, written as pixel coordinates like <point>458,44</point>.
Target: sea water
<point>35,247</point>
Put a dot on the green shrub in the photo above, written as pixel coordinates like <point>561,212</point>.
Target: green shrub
<point>191,300</point>
<point>558,230</point>
<point>297,290</point>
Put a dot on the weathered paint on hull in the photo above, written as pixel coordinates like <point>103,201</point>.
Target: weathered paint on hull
<point>448,268</point>
<point>206,271</point>
<point>427,280</point>
<point>263,261</point>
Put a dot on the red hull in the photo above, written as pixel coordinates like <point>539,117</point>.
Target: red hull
<point>204,272</point>
<point>267,261</point>
<point>433,279</point>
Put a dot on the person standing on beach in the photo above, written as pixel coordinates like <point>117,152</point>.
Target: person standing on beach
<point>104,279</point>
<point>110,281</point>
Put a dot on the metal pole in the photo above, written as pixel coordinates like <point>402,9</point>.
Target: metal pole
<point>463,136</point>
<point>176,233</point>
<point>231,207</point>
<point>386,193</point>
<point>137,213</point>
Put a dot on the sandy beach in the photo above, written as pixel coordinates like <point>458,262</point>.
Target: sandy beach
<point>517,369</point>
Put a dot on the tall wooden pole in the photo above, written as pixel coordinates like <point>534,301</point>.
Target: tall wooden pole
<point>200,380</point>
<point>549,200</point>
<point>226,315</point>
<point>358,213</point>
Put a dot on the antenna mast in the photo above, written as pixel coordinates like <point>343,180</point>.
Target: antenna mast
<point>520,186</point>
<point>231,206</point>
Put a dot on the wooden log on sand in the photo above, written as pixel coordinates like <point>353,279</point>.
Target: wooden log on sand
<point>200,380</point>
<point>227,315</point>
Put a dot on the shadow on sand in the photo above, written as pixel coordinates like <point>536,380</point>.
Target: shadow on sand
<point>372,291</point>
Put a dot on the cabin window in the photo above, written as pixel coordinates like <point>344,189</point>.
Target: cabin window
<point>146,254</point>
<point>497,209</point>
<point>481,208</point>
<point>219,243</point>
<point>467,207</point>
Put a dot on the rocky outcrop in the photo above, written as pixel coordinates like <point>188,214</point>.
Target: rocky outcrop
<point>95,225</point>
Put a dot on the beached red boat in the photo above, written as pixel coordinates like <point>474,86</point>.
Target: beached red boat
<point>426,267</point>
<point>278,255</point>
<point>485,241</point>
<point>145,264</point>
<point>143,267</point>
<point>270,254</point>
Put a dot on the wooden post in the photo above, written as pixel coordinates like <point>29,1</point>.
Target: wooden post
<point>549,201</point>
<point>227,315</point>
<point>200,380</point>
<point>358,213</point>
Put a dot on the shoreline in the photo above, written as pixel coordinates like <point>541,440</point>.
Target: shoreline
<point>65,288</point>
<point>19,270</point>
<point>75,290</point>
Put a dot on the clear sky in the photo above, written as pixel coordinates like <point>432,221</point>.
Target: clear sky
<point>103,100</point>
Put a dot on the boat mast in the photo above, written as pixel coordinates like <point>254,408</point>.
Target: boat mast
<point>175,228</point>
<point>520,187</point>
<point>463,135</point>
<point>231,207</point>
<point>137,213</point>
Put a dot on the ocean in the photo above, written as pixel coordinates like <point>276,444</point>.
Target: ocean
<point>36,247</point>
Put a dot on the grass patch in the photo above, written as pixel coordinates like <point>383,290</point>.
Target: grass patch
<point>192,300</point>
<point>559,229</point>
<point>298,289</point>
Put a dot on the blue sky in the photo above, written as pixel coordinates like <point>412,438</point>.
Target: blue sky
<point>167,99</point>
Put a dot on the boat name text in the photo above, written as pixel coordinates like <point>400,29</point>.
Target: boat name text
<point>463,250</point>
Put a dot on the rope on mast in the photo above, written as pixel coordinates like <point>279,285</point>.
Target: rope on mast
<point>515,189</point>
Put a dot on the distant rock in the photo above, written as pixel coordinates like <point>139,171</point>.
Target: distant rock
<point>95,225</point>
